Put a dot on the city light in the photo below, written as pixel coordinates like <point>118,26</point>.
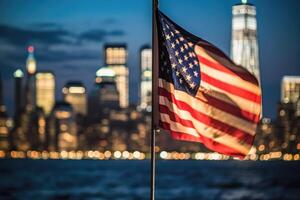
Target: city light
<point>18,73</point>
<point>105,72</point>
<point>93,119</point>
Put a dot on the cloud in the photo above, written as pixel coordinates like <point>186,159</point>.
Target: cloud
<point>52,34</point>
<point>98,35</point>
<point>46,25</point>
<point>24,36</point>
<point>61,56</point>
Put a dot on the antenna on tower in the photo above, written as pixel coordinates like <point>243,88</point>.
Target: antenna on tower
<point>244,1</point>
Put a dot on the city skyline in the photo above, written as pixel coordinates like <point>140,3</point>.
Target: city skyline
<point>86,56</point>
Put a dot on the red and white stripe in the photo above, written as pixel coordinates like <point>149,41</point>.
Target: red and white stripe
<point>224,113</point>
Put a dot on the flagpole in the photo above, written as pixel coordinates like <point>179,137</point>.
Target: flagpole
<point>154,120</point>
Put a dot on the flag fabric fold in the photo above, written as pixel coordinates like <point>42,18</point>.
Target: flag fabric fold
<point>203,96</point>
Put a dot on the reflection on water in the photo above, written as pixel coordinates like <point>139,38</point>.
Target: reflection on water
<point>126,180</point>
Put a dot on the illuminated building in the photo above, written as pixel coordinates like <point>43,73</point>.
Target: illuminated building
<point>31,63</point>
<point>65,125</point>
<point>4,129</point>
<point>105,96</point>
<point>146,78</point>
<point>288,113</point>
<point>75,94</point>
<point>107,89</point>
<point>115,59</point>
<point>31,69</point>
<point>244,45</point>
<point>40,120</point>
<point>266,139</point>
<point>45,91</point>
<point>290,89</point>
<point>285,117</point>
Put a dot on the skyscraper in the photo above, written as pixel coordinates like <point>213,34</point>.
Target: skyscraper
<point>107,90</point>
<point>244,45</point>
<point>31,69</point>
<point>45,90</point>
<point>75,94</point>
<point>115,59</point>
<point>146,78</point>
<point>18,75</point>
<point>290,89</point>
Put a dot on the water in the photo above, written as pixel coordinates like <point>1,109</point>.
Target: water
<point>129,180</point>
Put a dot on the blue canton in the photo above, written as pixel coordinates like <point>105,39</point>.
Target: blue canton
<point>178,61</point>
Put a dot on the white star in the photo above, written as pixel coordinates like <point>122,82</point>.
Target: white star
<point>172,34</point>
<point>185,57</point>
<point>181,39</point>
<point>172,45</point>
<point>191,65</point>
<point>188,77</point>
<point>186,46</point>
<point>176,53</point>
<point>176,31</point>
<point>184,69</point>
<point>192,85</point>
<point>195,73</point>
<point>173,65</point>
<point>177,41</point>
<point>190,44</point>
<point>196,62</point>
<point>177,73</point>
<point>180,61</point>
<point>181,49</point>
<point>168,37</point>
<point>180,80</point>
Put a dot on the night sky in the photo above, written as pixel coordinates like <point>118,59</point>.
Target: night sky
<point>69,36</point>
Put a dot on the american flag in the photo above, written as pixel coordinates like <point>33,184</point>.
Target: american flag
<point>203,96</point>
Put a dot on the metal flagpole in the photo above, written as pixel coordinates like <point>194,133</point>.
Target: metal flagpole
<point>154,120</point>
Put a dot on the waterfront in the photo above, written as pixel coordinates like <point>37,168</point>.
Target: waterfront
<point>121,179</point>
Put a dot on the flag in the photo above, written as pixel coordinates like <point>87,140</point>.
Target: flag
<point>203,96</point>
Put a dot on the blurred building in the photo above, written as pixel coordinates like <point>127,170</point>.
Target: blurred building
<point>285,123</point>
<point>244,45</point>
<point>64,124</point>
<point>29,88</point>
<point>145,78</point>
<point>18,76</point>
<point>4,122</point>
<point>116,59</point>
<point>75,93</point>
<point>25,133</point>
<point>105,96</point>
<point>266,138</point>
<point>45,91</point>
<point>290,89</point>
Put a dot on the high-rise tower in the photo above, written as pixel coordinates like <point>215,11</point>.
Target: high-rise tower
<point>45,90</point>
<point>145,78</point>
<point>18,75</point>
<point>290,89</point>
<point>115,59</point>
<point>244,45</point>
<point>31,69</point>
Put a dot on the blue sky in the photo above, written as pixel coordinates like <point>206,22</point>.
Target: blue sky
<point>69,36</point>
